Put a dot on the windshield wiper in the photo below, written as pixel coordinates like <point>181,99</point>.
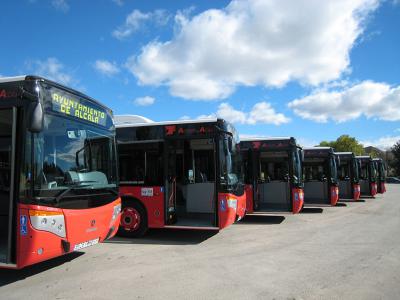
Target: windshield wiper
<point>66,191</point>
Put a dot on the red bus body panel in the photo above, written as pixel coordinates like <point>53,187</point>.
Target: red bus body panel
<point>356,191</point>
<point>383,188</point>
<point>374,189</point>
<point>249,198</point>
<point>334,195</point>
<point>298,199</point>
<point>154,204</point>
<point>38,245</point>
<point>230,207</point>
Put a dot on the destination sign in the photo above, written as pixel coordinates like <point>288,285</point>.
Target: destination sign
<point>70,105</point>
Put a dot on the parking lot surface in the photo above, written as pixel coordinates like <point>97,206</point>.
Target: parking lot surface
<point>351,251</point>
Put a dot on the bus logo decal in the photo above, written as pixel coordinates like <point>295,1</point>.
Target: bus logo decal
<point>23,222</point>
<point>222,205</point>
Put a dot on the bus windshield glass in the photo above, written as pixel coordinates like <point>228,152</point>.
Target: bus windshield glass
<point>356,173</point>
<point>70,155</point>
<point>333,168</point>
<point>297,170</point>
<point>231,175</point>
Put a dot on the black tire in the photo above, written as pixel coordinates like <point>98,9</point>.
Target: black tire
<point>129,225</point>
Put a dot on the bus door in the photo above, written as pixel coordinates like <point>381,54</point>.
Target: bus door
<point>274,184</point>
<point>254,158</point>
<point>316,189</point>
<point>191,182</point>
<point>172,161</point>
<point>7,166</point>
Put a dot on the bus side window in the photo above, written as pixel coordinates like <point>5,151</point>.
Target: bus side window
<point>132,164</point>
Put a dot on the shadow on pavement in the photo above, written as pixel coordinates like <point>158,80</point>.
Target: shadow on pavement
<point>312,210</point>
<point>262,219</point>
<point>8,276</point>
<point>351,201</point>
<point>339,204</point>
<point>167,237</point>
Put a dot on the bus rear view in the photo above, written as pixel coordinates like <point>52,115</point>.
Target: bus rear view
<point>179,174</point>
<point>320,176</point>
<point>273,175</point>
<point>58,173</point>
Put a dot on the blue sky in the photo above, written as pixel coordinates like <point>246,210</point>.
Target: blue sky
<point>309,69</point>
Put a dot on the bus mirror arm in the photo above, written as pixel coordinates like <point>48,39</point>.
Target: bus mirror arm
<point>35,117</point>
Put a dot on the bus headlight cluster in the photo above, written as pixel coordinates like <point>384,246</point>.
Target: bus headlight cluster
<point>117,211</point>
<point>50,221</point>
<point>232,203</point>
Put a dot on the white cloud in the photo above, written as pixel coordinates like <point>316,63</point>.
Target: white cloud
<point>254,42</point>
<point>144,101</point>
<point>52,69</point>
<point>106,68</point>
<point>262,112</point>
<point>368,98</point>
<point>384,143</point>
<point>136,19</point>
<point>118,2</point>
<point>61,5</point>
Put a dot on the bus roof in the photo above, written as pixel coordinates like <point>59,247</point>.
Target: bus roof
<point>274,138</point>
<point>176,122</point>
<point>59,85</point>
<point>318,148</point>
<point>344,153</point>
<point>377,159</point>
<point>11,79</point>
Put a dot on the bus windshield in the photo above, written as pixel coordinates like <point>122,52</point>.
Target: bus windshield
<point>71,157</point>
<point>373,169</point>
<point>333,168</point>
<point>297,169</point>
<point>231,175</point>
<point>356,173</point>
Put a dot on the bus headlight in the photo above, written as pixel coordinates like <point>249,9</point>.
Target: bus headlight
<point>232,203</point>
<point>50,221</point>
<point>116,212</point>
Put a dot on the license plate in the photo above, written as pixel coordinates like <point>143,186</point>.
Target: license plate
<point>86,244</point>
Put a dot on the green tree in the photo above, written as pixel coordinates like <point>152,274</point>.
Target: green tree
<point>345,143</point>
<point>396,161</point>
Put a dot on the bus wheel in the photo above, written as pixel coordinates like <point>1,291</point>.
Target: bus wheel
<point>133,220</point>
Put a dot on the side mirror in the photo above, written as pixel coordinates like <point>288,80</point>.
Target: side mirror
<point>35,117</point>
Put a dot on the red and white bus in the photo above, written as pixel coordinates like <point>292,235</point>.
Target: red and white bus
<point>367,169</point>
<point>320,176</point>
<point>381,169</point>
<point>58,171</point>
<point>348,174</point>
<point>273,174</point>
<point>179,174</point>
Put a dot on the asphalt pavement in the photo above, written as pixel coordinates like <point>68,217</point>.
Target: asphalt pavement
<point>351,251</point>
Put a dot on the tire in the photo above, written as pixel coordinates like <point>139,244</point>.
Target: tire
<point>133,219</point>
